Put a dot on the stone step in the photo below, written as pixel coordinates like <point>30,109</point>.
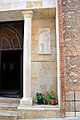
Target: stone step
<point>8,106</point>
<point>8,115</point>
<point>28,119</point>
<point>38,111</point>
<point>69,118</point>
<point>9,100</point>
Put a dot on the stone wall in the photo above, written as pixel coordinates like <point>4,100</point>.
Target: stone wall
<point>71,13</point>
<point>43,65</point>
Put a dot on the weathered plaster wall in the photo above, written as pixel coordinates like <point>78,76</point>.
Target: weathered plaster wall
<point>43,66</point>
<point>71,12</point>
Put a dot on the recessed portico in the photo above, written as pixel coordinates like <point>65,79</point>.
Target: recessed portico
<point>31,19</point>
<point>37,57</point>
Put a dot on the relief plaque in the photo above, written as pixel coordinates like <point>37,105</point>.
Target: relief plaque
<point>44,42</point>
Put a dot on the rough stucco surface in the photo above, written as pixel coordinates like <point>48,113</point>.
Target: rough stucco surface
<point>71,13</point>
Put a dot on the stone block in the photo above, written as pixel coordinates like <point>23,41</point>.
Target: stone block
<point>44,23</point>
<point>70,95</point>
<point>34,88</point>
<point>77,114</point>
<point>70,114</point>
<point>43,76</point>
<point>77,95</point>
<point>35,30</point>
<point>33,113</point>
<point>77,105</point>
<point>70,106</point>
<point>49,3</point>
<point>36,25</point>
<point>36,57</point>
<point>34,4</point>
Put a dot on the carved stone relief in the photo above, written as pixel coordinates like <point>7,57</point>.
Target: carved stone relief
<point>44,44</point>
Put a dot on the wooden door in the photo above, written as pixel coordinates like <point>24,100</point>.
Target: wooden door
<point>11,43</point>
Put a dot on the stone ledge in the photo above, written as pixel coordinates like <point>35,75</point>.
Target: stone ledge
<point>39,107</point>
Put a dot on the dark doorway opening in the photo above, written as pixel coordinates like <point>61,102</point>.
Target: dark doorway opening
<point>11,73</point>
<point>11,48</point>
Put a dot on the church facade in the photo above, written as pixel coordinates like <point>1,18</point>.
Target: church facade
<point>38,54</point>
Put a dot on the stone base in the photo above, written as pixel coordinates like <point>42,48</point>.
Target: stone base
<point>26,102</point>
<point>38,111</point>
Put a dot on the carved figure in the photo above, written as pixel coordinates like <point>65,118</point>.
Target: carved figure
<point>44,42</point>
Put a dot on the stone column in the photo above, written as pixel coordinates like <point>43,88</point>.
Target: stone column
<point>27,100</point>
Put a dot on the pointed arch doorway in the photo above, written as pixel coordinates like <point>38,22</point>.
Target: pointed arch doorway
<point>11,42</point>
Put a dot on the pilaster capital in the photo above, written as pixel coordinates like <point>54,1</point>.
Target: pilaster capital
<point>27,14</point>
